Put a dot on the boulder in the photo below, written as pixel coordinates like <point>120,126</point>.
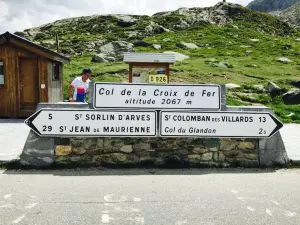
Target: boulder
<point>110,59</point>
<point>178,56</point>
<point>141,44</point>
<point>183,25</point>
<point>99,58</point>
<point>116,49</point>
<point>90,46</point>
<point>292,97</point>
<point>298,39</point>
<point>125,21</point>
<point>157,47</point>
<point>232,86</point>
<point>210,60</point>
<point>154,28</point>
<point>273,88</point>
<point>284,60</point>
<point>296,83</point>
<point>94,26</point>
<point>67,51</point>
<point>222,64</point>
<point>291,114</point>
<point>186,45</point>
<point>259,87</point>
<point>134,34</point>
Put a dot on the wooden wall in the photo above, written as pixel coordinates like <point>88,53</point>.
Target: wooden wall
<point>10,91</point>
<point>55,88</point>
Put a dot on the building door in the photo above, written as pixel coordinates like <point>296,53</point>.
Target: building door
<point>29,86</point>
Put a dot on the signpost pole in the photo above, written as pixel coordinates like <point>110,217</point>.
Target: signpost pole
<point>130,73</point>
<point>168,72</point>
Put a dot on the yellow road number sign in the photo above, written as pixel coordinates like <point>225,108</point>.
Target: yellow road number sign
<point>163,79</point>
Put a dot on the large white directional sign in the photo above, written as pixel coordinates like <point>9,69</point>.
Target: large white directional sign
<point>155,96</point>
<point>218,124</point>
<point>89,123</point>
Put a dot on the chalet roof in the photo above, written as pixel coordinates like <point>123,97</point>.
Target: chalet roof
<point>22,42</point>
<point>132,57</point>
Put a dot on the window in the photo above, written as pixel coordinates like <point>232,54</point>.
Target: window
<point>55,71</point>
<point>1,72</point>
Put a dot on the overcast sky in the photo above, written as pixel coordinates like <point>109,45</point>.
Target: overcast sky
<point>17,15</point>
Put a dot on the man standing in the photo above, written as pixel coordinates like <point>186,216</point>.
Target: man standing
<point>80,86</point>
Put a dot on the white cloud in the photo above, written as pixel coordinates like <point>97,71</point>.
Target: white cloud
<point>17,15</point>
<point>3,10</point>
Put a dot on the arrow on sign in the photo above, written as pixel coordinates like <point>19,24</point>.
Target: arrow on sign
<point>90,123</point>
<point>219,124</point>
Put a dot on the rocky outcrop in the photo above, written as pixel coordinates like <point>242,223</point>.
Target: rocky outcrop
<point>271,5</point>
<point>221,13</point>
<point>291,15</point>
<point>125,20</point>
<point>116,49</point>
<point>292,97</point>
<point>155,28</point>
<point>88,34</point>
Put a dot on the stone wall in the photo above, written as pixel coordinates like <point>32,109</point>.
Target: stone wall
<point>137,152</point>
<point>158,152</point>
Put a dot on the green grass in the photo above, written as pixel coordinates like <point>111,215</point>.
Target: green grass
<point>223,43</point>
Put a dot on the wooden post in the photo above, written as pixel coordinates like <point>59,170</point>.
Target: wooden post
<point>168,72</point>
<point>130,73</point>
<point>57,43</point>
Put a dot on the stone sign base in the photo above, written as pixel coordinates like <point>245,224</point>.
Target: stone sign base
<point>179,152</point>
<point>156,152</point>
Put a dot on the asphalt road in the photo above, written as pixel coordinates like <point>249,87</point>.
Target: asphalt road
<point>162,197</point>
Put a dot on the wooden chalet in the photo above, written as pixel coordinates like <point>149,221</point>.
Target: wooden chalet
<point>29,74</point>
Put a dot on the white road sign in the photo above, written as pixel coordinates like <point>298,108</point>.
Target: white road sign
<point>90,123</point>
<point>218,124</point>
<point>157,96</point>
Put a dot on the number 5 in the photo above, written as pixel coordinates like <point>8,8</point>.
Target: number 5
<point>50,117</point>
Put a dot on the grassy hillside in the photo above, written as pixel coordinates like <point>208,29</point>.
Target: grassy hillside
<point>227,44</point>
<point>235,45</point>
